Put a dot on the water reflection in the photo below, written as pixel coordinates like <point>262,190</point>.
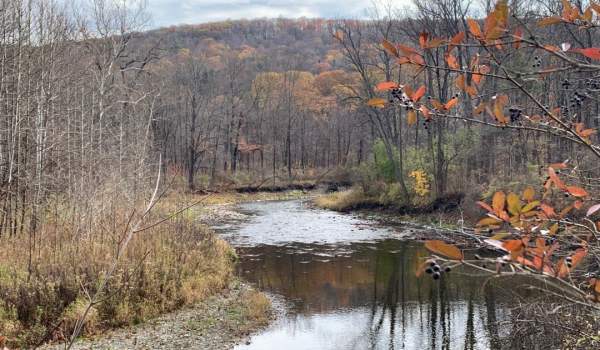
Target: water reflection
<point>345,294</point>
<point>366,296</point>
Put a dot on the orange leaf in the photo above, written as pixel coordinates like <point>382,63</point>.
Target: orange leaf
<point>385,86</point>
<point>557,181</point>
<point>416,96</point>
<point>576,191</point>
<point>451,103</point>
<point>498,201</point>
<point>587,133</point>
<point>576,258</point>
<point>474,28</point>
<point>499,112</point>
<point>442,248</point>
<point>548,210</point>
<point>452,62</point>
<point>512,245</point>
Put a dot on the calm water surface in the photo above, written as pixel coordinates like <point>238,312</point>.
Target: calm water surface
<point>350,284</point>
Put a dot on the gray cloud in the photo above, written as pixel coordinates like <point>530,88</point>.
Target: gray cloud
<point>172,12</point>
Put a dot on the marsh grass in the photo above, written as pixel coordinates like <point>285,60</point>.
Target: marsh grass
<point>353,198</point>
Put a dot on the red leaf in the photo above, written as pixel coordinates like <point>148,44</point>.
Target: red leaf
<point>592,52</point>
<point>418,94</point>
<point>548,210</point>
<point>423,38</point>
<point>385,86</point>
<point>563,269</point>
<point>474,28</point>
<point>557,181</point>
<point>512,245</point>
<point>576,191</point>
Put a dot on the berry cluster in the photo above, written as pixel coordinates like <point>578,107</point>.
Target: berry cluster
<point>435,270</point>
<point>592,84</point>
<point>537,62</point>
<point>515,114</point>
<point>576,100</point>
<point>397,94</point>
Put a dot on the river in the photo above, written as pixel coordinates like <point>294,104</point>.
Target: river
<point>350,283</point>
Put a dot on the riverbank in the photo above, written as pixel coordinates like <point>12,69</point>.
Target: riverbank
<point>430,220</point>
<point>211,309</point>
<point>43,295</point>
<point>219,322</point>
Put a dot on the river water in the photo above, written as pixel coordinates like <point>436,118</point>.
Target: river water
<point>351,284</point>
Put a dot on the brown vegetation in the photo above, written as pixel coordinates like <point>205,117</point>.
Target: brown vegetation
<point>165,267</point>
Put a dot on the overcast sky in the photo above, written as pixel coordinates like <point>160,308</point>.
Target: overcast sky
<point>172,12</point>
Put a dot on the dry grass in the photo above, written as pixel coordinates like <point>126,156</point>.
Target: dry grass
<point>173,264</point>
<point>345,200</point>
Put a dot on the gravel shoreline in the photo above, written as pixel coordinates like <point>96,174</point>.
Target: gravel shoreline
<point>213,324</point>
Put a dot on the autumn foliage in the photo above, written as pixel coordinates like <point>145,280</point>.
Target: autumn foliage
<point>546,233</point>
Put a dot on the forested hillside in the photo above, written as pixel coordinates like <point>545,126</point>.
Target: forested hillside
<point>260,96</point>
